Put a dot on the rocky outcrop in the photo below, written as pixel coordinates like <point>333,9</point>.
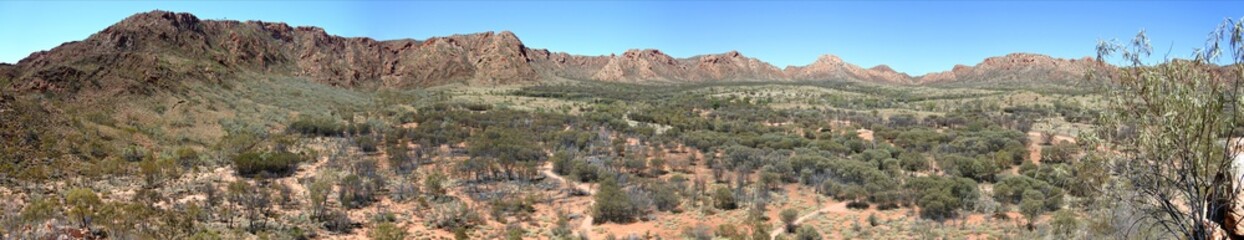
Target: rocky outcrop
<point>641,65</point>
<point>1019,68</point>
<point>732,66</point>
<point>651,65</point>
<point>830,67</point>
<point>160,48</point>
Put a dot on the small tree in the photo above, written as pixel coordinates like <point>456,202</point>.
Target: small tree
<point>1032,206</point>
<point>318,193</point>
<point>255,202</point>
<point>666,198</point>
<point>1166,125</point>
<point>83,204</point>
<point>723,198</point>
<point>788,217</point>
<point>612,204</point>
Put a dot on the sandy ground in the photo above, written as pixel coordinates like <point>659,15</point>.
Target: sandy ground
<point>585,224</point>
<point>865,134</point>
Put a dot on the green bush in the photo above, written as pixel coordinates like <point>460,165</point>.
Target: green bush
<point>807,233</point>
<point>478,107</point>
<point>266,163</point>
<point>612,204</point>
<point>723,199</point>
<point>788,217</point>
<point>666,198</point>
<point>913,161</point>
<point>941,197</point>
<point>316,127</point>
<point>387,231</point>
<point>1062,152</point>
<point>366,144</point>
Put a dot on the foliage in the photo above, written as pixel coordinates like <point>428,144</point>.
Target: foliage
<point>941,197</point>
<point>612,204</point>
<point>788,217</point>
<point>83,204</point>
<point>723,198</point>
<point>1167,123</point>
<point>266,163</point>
<point>317,126</point>
<point>807,233</point>
<point>387,231</point>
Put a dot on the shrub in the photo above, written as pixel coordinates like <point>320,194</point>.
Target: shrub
<point>316,127</point>
<point>387,231</point>
<point>913,161</point>
<point>266,163</point>
<point>1032,206</point>
<point>514,232</point>
<point>366,144</point>
<point>478,107</point>
<point>1065,223</point>
<point>452,216</point>
<point>857,205</point>
<point>974,168</point>
<point>788,217</point>
<point>941,197</point>
<point>1062,152</point>
<point>337,221</point>
<point>83,204</point>
<point>187,157</point>
<point>807,233</point>
<point>723,198</point>
<point>698,232</point>
<point>612,204</point>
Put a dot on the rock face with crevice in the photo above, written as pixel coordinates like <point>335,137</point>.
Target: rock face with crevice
<point>159,49</point>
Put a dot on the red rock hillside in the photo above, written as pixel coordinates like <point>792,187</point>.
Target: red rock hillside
<point>159,49</point>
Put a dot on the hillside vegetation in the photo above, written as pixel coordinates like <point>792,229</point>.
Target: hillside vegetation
<point>168,127</point>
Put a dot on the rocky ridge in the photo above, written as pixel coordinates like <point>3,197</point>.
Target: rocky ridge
<point>158,49</point>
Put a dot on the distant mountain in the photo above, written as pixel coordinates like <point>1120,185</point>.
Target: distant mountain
<point>159,48</point>
<point>830,67</point>
<point>1018,68</point>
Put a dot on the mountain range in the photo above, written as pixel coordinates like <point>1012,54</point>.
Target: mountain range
<point>161,48</point>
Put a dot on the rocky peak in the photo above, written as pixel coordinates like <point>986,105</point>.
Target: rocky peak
<point>882,68</point>
<point>648,55</point>
<point>828,59</point>
<point>160,19</point>
<point>830,67</point>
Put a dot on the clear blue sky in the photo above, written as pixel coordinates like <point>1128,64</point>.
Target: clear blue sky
<point>913,37</point>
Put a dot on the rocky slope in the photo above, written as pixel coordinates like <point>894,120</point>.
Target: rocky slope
<point>161,49</point>
<point>1018,68</point>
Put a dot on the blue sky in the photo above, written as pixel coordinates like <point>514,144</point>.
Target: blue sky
<point>913,37</point>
